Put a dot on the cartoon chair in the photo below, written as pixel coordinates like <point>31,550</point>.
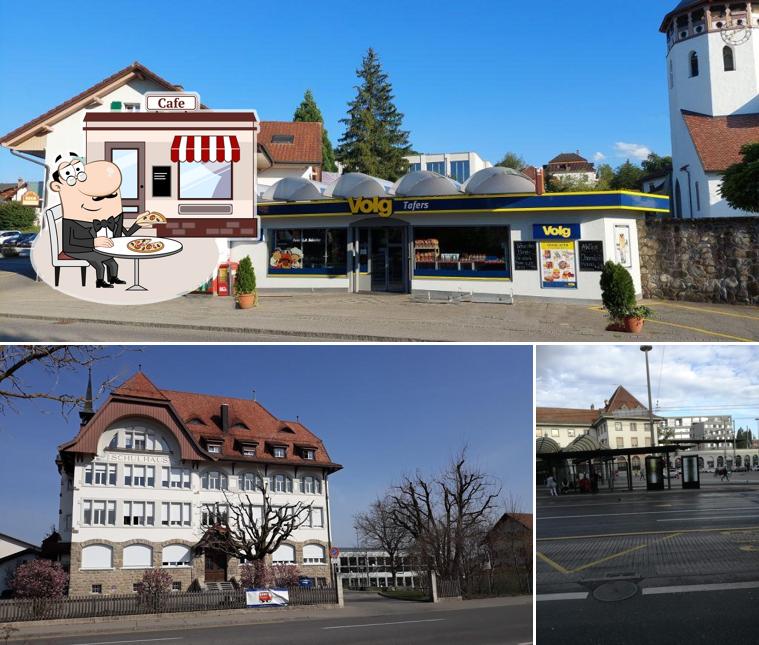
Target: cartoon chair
<point>60,259</point>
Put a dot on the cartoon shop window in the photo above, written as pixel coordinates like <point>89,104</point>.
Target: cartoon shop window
<point>205,165</point>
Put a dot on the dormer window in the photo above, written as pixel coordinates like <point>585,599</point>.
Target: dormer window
<point>196,421</point>
<point>308,453</point>
<point>214,448</point>
<point>249,451</point>
<point>279,452</point>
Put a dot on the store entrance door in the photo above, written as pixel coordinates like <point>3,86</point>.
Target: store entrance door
<point>388,255</point>
<point>130,158</point>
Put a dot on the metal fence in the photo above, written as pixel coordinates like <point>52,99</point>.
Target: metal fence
<point>130,604</point>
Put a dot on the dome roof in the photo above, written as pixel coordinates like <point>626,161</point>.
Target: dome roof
<point>498,181</point>
<point>292,189</point>
<point>545,445</point>
<point>423,183</point>
<point>357,184</point>
<point>584,442</point>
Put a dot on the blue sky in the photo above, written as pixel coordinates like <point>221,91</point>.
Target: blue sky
<point>482,75</point>
<point>687,380</point>
<point>381,411</point>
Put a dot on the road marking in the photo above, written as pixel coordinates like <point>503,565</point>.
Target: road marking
<point>400,622</point>
<point>551,563</point>
<point>689,510</point>
<point>606,535</point>
<point>713,517</point>
<point>576,595</point>
<point>704,309</point>
<point>141,640</point>
<point>690,328</point>
<point>650,591</point>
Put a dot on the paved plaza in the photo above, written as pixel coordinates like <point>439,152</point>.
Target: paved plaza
<point>32,311</point>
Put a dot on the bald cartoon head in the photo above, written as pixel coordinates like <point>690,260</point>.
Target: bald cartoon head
<point>88,191</point>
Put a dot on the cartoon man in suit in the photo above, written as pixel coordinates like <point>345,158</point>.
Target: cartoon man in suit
<point>92,213</point>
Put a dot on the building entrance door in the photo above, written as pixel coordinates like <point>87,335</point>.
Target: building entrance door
<point>388,254</point>
<point>130,158</point>
<point>216,566</point>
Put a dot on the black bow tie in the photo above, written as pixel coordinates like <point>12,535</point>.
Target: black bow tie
<point>109,223</point>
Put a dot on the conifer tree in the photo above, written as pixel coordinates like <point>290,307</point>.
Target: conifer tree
<point>373,141</point>
<point>309,111</point>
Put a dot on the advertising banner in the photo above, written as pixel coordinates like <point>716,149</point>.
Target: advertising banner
<point>267,597</point>
<point>558,265</point>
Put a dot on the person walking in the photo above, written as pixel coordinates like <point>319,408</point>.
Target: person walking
<point>551,484</point>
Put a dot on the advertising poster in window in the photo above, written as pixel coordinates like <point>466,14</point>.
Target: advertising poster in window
<point>622,245</point>
<point>558,265</point>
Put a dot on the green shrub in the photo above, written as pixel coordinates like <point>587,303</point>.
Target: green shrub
<point>617,290</point>
<point>16,216</point>
<point>245,282</point>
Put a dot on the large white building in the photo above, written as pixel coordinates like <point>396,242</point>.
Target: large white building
<point>361,568</point>
<point>713,76</point>
<point>151,469</point>
<point>459,166</point>
<point>699,427</point>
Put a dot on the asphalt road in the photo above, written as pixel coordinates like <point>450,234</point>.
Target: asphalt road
<point>477,626</point>
<point>716,617</point>
<point>577,515</point>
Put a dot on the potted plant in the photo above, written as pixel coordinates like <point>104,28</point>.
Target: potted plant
<point>617,294</point>
<point>245,284</point>
<point>635,317</point>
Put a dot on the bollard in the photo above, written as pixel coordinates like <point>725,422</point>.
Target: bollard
<point>339,586</point>
<point>433,587</point>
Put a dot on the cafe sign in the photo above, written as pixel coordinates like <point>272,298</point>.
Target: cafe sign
<point>172,101</point>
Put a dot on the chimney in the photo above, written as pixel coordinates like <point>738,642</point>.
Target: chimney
<point>224,417</point>
<point>86,413</point>
<point>540,181</point>
<point>20,182</point>
<point>254,394</point>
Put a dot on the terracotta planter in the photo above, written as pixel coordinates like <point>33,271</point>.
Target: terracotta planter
<point>633,324</point>
<point>246,300</point>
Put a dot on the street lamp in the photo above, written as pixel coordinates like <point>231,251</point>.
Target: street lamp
<point>645,349</point>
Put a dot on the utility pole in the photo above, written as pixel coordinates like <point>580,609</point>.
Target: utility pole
<point>645,349</point>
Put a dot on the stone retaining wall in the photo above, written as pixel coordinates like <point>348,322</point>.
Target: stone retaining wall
<point>702,260</point>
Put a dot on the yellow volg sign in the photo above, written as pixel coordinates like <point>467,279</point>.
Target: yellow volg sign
<point>376,205</point>
<point>557,231</point>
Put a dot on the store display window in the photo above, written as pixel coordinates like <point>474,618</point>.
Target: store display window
<point>461,252</point>
<point>308,251</point>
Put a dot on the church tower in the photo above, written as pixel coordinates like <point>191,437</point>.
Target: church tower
<point>713,76</point>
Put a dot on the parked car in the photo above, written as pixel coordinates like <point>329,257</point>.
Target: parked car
<point>18,246</point>
<point>7,234</point>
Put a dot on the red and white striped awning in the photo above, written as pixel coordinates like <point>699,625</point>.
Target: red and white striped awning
<point>205,148</point>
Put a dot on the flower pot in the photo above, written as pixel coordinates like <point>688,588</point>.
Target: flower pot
<point>633,324</point>
<point>246,300</point>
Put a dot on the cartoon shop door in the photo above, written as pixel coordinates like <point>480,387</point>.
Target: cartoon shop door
<point>130,158</point>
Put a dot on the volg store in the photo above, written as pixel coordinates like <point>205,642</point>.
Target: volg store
<point>497,236</point>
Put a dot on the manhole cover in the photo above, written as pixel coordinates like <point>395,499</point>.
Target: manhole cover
<point>614,591</point>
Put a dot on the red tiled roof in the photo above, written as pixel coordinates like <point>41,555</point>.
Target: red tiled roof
<point>525,519</point>
<point>566,416</point>
<point>568,157</point>
<point>305,148</point>
<point>718,139</point>
<point>140,386</point>
<point>623,400</point>
<point>135,67</point>
<point>531,172</point>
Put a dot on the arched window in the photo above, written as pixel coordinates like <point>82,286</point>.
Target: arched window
<point>97,556</point>
<point>312,485</point>
<point>728,58</point>
<point>285,553</point>
<point>693,64</point>
<point>720,462</point>
<point>738,461</point>
<point>282,484</point>
<point>313,554</point>
<point>249,482</point>
<point>213,480</point>
<point>138,556</point>
<point>755,460</point>
<point>176,555</point>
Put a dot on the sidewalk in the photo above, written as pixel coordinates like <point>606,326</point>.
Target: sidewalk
<point>376,317</point>
<point>225,618</point>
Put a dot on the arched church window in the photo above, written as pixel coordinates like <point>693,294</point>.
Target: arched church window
<point>728,58</point>
<point>693,64</point>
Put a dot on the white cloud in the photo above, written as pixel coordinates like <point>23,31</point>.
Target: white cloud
<point>599,156</point>
<point>685,380</point>
<point>632,150</point>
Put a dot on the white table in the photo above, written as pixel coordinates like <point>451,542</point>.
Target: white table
<point>120,250</point>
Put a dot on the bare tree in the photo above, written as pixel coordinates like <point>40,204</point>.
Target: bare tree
<point>445,513</point>
<point>379,531</point>
<point>239,531</point>
<point>18,363</point>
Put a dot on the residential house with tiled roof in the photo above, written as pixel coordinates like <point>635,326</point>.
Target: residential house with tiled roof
<point>151,470</point>
<point>510,550</point>
<point>713,75</point>
<point>570,166</point>
<point>13,553</point>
